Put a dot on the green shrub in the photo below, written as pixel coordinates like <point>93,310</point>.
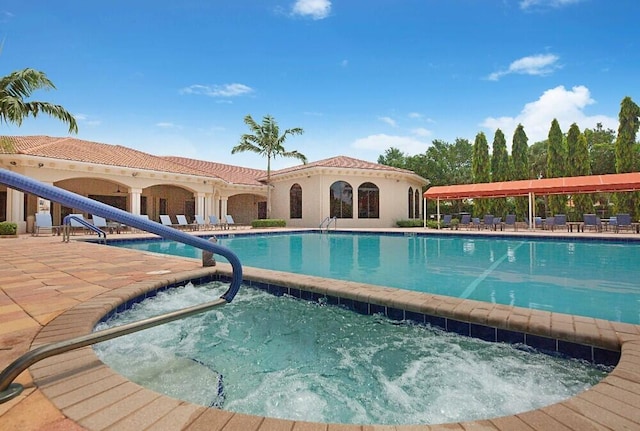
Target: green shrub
<point>432,224</point>
<point>416,222</point>
<point>268,222</point>
<point>8,228</point>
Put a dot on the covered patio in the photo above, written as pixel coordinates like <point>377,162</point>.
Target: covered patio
<point>545,186</point>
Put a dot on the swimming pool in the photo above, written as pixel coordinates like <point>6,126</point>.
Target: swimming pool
<point>281,357</point>
<point>586,278</point>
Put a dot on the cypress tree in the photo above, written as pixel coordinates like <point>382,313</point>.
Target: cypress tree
<point>625,154</point>
<point>556,165</point>
<point>481,167</point>
<point>499,170</point>
<point>579,164</point>
<point>520,171</point>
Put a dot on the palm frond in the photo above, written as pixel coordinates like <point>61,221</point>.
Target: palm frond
<point>17,86</point>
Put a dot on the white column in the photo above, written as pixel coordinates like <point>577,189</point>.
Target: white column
<point>15,199</point>
<point>201,208</point>
<point>223,208</point>
<point>134,196</point>
<point>15,209</point>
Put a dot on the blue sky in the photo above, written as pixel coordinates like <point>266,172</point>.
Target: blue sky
<point>359,76</point>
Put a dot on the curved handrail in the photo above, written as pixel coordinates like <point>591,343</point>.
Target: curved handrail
<point>9,391</point>
<point>16,181</point>
<point>67,198</point>
<point>66,222</point>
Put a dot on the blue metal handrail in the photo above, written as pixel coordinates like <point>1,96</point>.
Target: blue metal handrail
<point>9,390</point>
<point>72,200</point>
<point>66,223</point>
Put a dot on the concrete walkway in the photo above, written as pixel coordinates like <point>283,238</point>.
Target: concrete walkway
<point>51,290</point>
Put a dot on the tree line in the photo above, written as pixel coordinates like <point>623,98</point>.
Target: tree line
<point>593,151</point>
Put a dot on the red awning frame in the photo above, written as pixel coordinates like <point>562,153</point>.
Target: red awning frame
<point>545,186</point>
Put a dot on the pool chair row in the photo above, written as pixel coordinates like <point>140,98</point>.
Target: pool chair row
<point>617,223</point>
<point>77,222</point>
<point>199,222</point>
<point>489,221</point>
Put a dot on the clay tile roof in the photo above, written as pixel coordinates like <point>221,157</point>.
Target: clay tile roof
<point>341,162</point>
<point>93,152</point>
<point>229,173</point>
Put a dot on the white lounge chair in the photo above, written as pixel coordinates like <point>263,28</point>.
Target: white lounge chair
<point>75,223</point>
<point>43,222</point>
<point>99,222</point>
<point>200,223</point>
<point>230,221</point>
<point>166,220</point>
<point>183,223</point>
<point>216,223</point>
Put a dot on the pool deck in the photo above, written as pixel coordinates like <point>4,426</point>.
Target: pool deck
<point>51,291</point>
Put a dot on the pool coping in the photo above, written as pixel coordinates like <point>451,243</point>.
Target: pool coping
<point>96,397</point>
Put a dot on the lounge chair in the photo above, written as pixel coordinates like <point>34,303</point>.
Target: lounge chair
<point>166,220</point>
<point>75,223</point>
<point>465,221</point>
<point>475,222</point>
<point>550,223</point>
<point>488,221</point>
<point>510,221</point>
<point>215,221</point>
<point>99,222</point>
<point>497,221</point>
<point>537,222</point>
<point>230,221</point>
<point>446,220</point>
<point>43,222</point>
<point>591,221</point>
<point>184,224</point>
<point>560,220</point>
<point>200,223</point>
<point>622,221</point>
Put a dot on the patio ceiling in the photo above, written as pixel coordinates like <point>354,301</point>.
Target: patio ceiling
<point>546,186</point>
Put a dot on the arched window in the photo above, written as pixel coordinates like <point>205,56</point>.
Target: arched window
<point>418,198</point>
<point>341,200</point>
<point>411,205</point>
<point>368,201</point>
<point>295,201</point>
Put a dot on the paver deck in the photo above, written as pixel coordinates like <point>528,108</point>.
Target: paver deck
<point>52,291</point>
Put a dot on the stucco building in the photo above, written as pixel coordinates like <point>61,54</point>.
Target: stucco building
<point>356,192</point>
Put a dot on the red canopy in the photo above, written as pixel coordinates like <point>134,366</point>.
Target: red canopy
<point>546,186</point>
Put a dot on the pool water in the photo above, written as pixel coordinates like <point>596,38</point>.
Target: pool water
<point>587,278</point>
<point>288,358</point>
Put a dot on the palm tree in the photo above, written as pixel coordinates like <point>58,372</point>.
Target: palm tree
<point>267,141</point>
<point>19,85</point>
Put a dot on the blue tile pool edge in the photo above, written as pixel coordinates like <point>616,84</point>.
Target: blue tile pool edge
<point>547,345</point>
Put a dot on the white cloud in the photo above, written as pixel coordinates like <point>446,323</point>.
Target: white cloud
<point>86,120</point>
<point>567,106</point>
<point>226,90</point>
<point>315,9</point>
<point>5,16</point>
<point>380,143</point>
<point>421,132</point>
<point>168,125</point>
<point>541,64</point>
<point>390,121</point>
<point>529,4</point>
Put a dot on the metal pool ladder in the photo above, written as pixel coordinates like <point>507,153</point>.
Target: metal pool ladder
<point>324,224</point>
<point>9,390</point>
